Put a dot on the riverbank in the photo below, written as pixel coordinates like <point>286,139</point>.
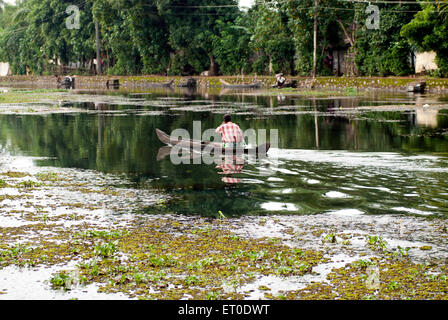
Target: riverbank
<point>400,84</point>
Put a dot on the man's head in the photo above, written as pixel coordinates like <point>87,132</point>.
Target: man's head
<point>227,118</point>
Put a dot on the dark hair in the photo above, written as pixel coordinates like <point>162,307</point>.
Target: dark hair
<point>227,118</point>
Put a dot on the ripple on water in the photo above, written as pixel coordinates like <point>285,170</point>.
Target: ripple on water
<point>412,211</point>
<point>279,206</point>
<point>336,194</point>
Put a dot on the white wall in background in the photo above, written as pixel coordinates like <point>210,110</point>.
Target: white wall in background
<point>4,69</point>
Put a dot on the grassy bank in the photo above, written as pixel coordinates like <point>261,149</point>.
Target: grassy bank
<point>31,95</point>
<point>328,83</point>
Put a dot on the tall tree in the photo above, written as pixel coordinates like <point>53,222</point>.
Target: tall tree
<point>271,39</point>
<point>192,25</point>
<point>384,51</point>
<point>231,46</point>
<point>315,11</point>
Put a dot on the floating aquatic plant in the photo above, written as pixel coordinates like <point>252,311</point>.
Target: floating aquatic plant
<point>107,249</point>
<point>66,280</point>
<point>376,243</point>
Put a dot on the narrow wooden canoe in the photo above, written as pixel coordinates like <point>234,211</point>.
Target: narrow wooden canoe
<point>254,85</point>
<point>262,149</point>
<point>159,85</point>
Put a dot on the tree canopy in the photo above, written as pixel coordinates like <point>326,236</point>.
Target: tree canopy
<point>428,31</point>
<point>187,37</point>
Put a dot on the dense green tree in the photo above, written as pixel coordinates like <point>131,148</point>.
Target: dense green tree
<point>428,32</point>
<point>336,27</point>
<point>12,37</point>
<point>189,36</point>
<point>231,46</point>
<point>384,51</point>
<point>192,25</point>
<point>35,36</point>
<point>271,40</point>
<point>134,36</point>
<point>301,23</point>
<point>119,56</point>
<point>442,6</point>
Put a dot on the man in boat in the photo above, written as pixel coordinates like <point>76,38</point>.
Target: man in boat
<point>231,134</point>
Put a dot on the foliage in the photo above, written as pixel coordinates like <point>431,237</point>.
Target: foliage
<point>301,23</point>
<point>428,32</point>
<point>64,280</point>
<point>231,46</point>
<point>384,51</point>
<point>442,6</point>
<point>107,249</point>
<point>191,30</point>
<point>271,39</point>
<point>186,37</point>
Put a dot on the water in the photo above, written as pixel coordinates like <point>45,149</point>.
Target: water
<point>382,154</point>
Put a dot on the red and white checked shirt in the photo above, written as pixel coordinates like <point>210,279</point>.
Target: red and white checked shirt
<point>230,132</point>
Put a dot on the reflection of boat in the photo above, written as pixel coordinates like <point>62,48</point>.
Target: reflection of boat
<point>167,150</point>
<point>262,149</point>
<point>254,85</point>
<point>163,153</point>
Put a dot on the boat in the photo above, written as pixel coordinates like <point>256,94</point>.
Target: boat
<point>166,151</point>
<point>197,145</point>
<point>254,85</point>
<point>160,84</point>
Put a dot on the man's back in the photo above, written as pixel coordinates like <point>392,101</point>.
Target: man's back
<point>230,132</point>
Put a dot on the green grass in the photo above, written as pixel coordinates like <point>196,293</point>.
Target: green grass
<point>29,96</point>
<point>346,92</point>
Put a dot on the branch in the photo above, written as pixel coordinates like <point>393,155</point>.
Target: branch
<point>345,32</point>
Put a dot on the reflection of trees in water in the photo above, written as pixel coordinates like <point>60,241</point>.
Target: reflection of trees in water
<point>128,143</point>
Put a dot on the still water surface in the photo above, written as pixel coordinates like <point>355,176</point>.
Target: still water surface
<point>353,155</point>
